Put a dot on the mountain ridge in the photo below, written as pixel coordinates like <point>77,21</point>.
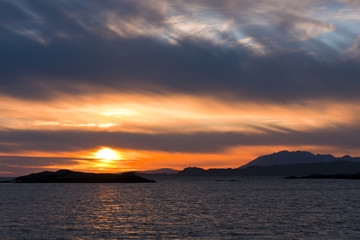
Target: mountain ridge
<point>168,171</point>
<point>296,157</point>
<point>285,163</point>
<point>336,167</point>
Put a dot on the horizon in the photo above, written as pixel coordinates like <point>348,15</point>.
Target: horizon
<point>142,85</point>
<point>166,168</point>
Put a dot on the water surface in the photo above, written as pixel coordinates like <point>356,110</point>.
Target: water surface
<point>183,208</point>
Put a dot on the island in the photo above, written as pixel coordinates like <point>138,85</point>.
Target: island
<point>68,176</point>
<point>331,176</point>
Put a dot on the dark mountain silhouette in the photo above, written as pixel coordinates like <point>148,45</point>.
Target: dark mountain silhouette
<point>285,163</point>
<point>159,171</point>
<point>286,157</point>
<point>337,167</point>
<point>67,176</point>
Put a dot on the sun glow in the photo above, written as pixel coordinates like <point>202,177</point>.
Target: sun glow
<point>107,154</point>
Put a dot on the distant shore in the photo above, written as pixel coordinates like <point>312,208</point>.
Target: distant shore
<point>68,176</point>
<point>324,176</point>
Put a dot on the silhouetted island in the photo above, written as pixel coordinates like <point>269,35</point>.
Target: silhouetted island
<point>285,163</point>
<point>67,176</point>
<point>338,167</point>
<point>297,157</point>
<point>324,176</point>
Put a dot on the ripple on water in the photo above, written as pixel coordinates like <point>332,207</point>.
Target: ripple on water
<point>203,208</point>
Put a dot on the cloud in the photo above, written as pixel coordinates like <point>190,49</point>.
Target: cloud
<point>345,137</point>
<point>17,165</point>
<point>176,77</point>
<point>355,48</point>
<point>52,49</point>
<point>307,28</point>
<point>24,161</point>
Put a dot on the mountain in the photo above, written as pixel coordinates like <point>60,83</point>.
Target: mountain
<point>297,157</point>
<point>159,171</point>
<point>285,163</point>
<point>67,176</point>
<point>195,171</point>
<point>337,167</point>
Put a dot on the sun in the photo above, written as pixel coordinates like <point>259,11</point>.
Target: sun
<point>107,154</point>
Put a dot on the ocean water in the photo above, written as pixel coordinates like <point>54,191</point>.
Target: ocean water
<point>183,208</point>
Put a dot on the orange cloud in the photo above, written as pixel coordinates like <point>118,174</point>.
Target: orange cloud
<point>171,114</point>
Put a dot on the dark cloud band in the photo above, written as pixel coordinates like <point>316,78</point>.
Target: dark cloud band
<point>199,142</point>
<point>64,47</point>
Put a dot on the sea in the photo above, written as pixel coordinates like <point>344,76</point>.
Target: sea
<point>183,208</point>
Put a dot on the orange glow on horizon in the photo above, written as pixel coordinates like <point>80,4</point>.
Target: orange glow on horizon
<point>162,114</point>
<point>107,154</point>
<point>134,160</point>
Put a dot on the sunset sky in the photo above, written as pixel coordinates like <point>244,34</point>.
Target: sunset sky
<point>121,85</point>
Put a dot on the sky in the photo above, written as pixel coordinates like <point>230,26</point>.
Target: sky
<point>123,85</point>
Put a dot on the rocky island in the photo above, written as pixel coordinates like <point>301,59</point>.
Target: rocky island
<point>67,176</point>
<point>331,176</point>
